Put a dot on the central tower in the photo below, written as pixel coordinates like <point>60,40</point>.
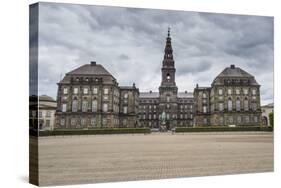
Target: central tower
<point>168,90</point>
<point>168,65</point>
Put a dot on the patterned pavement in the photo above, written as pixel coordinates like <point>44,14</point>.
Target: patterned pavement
<point>108,158</point>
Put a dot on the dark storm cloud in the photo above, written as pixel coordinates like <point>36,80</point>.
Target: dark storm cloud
<point>129,43</point>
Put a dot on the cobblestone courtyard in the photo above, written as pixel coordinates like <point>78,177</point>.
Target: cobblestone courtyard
<point>104,158</point>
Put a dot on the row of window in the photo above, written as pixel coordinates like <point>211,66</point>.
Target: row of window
<point>167,106</point>
<point>86,107</point>
<point>237,105</point>
<point>239,119</point>
<point>254,97</point>
<point>45,113</point>
<point>237,91</point>
<point>154,116</point>
<point>85,121</point>
<point>95,91</point>
<point>231,120</point>
<point>168,99</point>
<point>85,90</point>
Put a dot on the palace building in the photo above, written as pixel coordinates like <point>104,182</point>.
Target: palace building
<point>232,99</point>
<point>90,97</point>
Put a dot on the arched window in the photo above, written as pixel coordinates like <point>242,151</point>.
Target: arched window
<point>238,106</point>
<point>94,105</point>
<point>84,106</point>
<point>105,107</point>
<point>168,98</point>
<point>73,121</point>
<point>246,104</point>
<point>221,107</point>
<point>204,95</point>
<point>62,121</point>
<point>83,122</point>
<point>204,109</point>
<point>168,77</point>
<point>93,121</point>
<point>64,107</point>
<point>74,105</point>
<point>254,106</point>
<point>229,104</point>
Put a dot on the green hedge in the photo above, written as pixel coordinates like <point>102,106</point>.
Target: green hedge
<point>61,132</point>
<point>220,129</point>
<point>271,119</point>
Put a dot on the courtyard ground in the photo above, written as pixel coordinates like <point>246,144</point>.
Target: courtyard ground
<point>107,158</point>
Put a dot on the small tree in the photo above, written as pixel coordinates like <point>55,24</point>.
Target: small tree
<point>271,119</point>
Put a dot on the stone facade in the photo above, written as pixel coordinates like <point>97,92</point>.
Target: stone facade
<point>90,97</point>
<point>42,111</point>
<point>266,110</point>
<point>129,98</point>
<point>46,112</point>
<point>232,99</point>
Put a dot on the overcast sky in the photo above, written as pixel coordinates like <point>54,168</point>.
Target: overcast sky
<point>130,43</point>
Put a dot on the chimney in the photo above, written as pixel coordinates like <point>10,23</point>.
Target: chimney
<point>232,66</point>
<point>93,63</point>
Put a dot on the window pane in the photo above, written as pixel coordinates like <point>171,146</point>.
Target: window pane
<point>246,105</point>
<point>62,121</point>
<point>74,106</point>
<point>204,109</point>
<point>95,90</point>
<point>75,90</point>
<point>63,107</point>
<point>238,105</point>
<point>105,107</point>
<point>85,91</point>
<point>64,90</point>
<point>221,106</point>
<point>229,105</point>
<point>126,95</point>
<point>93,122</point>
<point>237,91</point>
<point>125,109</point>
<point>229,91</point>
<point>84,106</point>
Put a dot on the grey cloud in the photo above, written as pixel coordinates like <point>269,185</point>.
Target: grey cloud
<point>123,57</point>
<point>130,44</point>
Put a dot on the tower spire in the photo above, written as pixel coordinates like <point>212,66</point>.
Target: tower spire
<point>169,31</point>
<point>168,64</point>
<point>168,55</point>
